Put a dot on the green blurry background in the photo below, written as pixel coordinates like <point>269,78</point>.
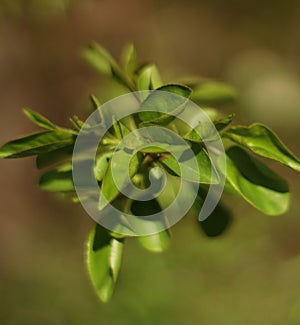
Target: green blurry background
<point>249,275</point>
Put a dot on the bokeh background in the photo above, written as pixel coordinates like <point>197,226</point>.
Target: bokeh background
<point>251,274</point>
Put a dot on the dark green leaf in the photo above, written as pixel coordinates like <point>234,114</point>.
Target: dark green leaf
<point>164,102</point>
<point>104,255</point>
<point>256,183</point>
<point>263,141</point>
<point>218,221</point>
<point>213,93</point>
<point>36,144</point>
<point>157,242</point>
<point>55,156</point>
<point>39,119</point>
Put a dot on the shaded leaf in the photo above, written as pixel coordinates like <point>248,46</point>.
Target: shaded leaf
<point>261,140</point>
<point>55,156</point>
<point>104,255</point>
<point>256,183</point>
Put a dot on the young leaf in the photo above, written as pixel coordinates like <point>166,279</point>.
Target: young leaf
<point>99,58</point>
<point>206,173</point>
<point>149,78</point>
<point>213,93</point>
<point>39,119</point>
<point>128,58</point>
<point>208,131</point>
<point>104,255</point>
<point>261,140</point>
<point>101,165</point>
<point>36,144</point>
<point>95,102</point>
<point>58,180</point>
<point>256,183</point>
<point>160,100</point>
<point>109,190</point>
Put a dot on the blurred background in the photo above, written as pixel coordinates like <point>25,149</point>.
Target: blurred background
<point>251,274</point>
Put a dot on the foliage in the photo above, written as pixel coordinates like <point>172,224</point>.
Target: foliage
<point>246,175</point>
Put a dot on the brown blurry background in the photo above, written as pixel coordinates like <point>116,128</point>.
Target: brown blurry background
<point>249,275</point>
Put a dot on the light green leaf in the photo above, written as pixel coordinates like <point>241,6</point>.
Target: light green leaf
<point>149,78</point>
<point>58,180</point>
<point>37,143</point>
<point>261,140</point>
<point>99,58</point>
<point>101,165</point>
<point>128,58</point>
<point>208,131</point>
<point>109,190</point>
<point>104,255</point>
<point>160,100</point>
<point>206,173</point>
<point>256,183</point>
<point>213,93</point>
<point>39,119</point>
<point>95,102</point>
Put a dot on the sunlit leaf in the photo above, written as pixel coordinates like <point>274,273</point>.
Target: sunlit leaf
<point>36,144</point>
<point>58,180</point>
<point>39,119</point>
<point>206,172</point>
<point>213,93</point>
<point>256,183</point>
<point>149,78</point>
<point>263,141</point>
<point>128,58</point>
<point>104,255</point>
<point>160,103</point>
<point>109,190</point>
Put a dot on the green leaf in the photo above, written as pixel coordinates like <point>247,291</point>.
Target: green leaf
<point>149,78</point>
<point>56,156</point>
<point>261,140</point>
<point>128,58</point>
<point>99,58</point>
<point>101,165</point>
<point>213,93</point>
<point>160,100</point>
<point>36,144</point>
<point>217,222</point>
<point>256,183</point>
<point>158,242</point>
<point>206,173</point>
<point>109,190</point>
<point>39,119</point>
<point>104,255</point>
<point>58,180</point>
<point>207,131</point>
<point>95,102</point>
